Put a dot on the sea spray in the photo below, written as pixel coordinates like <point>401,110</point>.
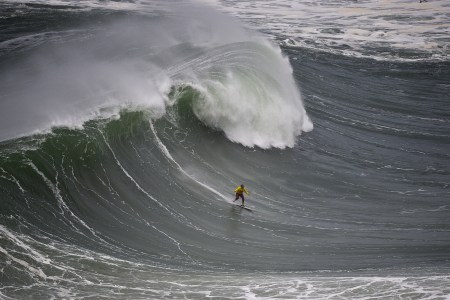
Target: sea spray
<point>252,97</point>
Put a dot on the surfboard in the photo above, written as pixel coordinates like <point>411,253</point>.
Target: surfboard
<point>244,207</point>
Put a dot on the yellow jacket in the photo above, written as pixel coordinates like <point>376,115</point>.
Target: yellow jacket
<point>241,190</point>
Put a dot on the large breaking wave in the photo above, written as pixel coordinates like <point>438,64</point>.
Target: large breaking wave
<point>245,85</point>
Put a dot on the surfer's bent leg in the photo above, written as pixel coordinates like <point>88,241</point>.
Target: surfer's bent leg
<point>240,196</point>
<point>237,196</point>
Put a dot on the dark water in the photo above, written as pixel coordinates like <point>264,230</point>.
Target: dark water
<point>125,131</point>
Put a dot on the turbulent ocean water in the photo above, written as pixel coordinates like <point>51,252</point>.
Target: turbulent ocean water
<point>125,126</point>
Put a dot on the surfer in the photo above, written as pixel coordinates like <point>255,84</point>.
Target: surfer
<point>240,190</point>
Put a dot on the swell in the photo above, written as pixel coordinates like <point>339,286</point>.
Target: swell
<point>393,106</point>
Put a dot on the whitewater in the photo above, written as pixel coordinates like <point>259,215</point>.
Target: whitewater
<point>126,126</point>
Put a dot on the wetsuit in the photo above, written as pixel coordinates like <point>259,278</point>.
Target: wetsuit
<point>240,193</point>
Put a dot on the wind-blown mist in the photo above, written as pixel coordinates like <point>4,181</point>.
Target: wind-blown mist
<point>245,84</point>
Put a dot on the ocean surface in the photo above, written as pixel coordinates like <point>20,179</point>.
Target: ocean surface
<point>125,127</point>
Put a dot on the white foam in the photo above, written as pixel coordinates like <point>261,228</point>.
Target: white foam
<point>248,92</point>
<point>254,110</point>
<point>361,26</point>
